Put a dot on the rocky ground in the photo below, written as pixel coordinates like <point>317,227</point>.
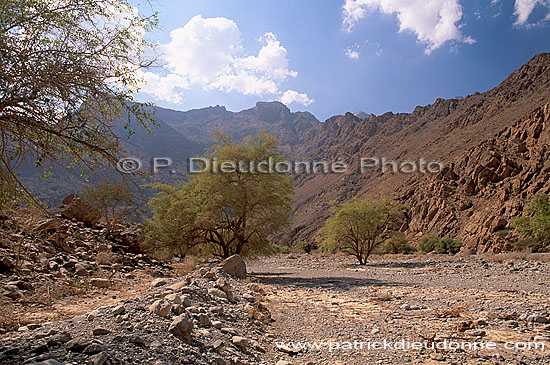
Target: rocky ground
<point>432,299</point>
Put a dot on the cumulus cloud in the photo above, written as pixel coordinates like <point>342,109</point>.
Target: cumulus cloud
<point>208,52</point>
<point>291,96</point>
<point>352,53</point>
<point>524,8</point>
<point>434,22</point>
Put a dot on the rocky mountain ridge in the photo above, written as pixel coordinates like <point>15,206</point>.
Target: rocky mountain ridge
<point>442,132</point>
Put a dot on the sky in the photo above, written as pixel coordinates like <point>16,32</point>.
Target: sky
<point>330,57</point>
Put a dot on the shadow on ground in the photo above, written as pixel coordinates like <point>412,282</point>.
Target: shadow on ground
<point>326,282</point>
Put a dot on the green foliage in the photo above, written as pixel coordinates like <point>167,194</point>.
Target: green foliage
<point>225,213</point>
<point>283,249</point>
<point>439,245</point>
<point>537,224</point>
<point>398,244</point>
<point>358,226</point>
<point>114,199</point>
<point>428,243</point>
<point>304,246</point>
<point>67,74</point>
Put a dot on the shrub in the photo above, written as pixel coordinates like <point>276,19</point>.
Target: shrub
<point>439,245</point>
<point>305,246</point>
<point>397,244</point>
<point>428,243</point>
<point>536,226</point>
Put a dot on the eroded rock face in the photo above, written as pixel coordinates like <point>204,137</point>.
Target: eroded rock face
<point>235,266</point>
<point>74,207</point>
<point>476,196</point>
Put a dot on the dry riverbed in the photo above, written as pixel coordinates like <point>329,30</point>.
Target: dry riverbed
<point>496,309</point>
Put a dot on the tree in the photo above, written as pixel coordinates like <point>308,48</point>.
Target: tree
<point>537,224</point>
<point>231,212</point>
<point>68,70</point>
<point>356,227</point>
<point>113,199</point>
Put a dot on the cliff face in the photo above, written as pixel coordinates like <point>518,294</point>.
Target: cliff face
<point>447,131</point>
<point>292,129</point>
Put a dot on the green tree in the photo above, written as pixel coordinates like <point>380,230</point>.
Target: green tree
<point>68,70</point>
<point>398,244</point>
<point>114,199</point>
<point>231,212</point>
<point>356,227</point>
<point>537,224</point>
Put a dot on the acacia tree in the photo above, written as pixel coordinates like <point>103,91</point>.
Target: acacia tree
<point>232,212</point>
<point>537,224</point>
<point>356,227</point>
<point>68,70</point>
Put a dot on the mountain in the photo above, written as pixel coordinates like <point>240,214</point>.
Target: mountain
<point>460,133</point>
<point>292,129</point>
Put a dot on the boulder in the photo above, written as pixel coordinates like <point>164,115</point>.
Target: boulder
<point>181,327</point>
<point>234,266</point>
<point>74,207</point>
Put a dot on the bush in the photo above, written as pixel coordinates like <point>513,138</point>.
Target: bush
<point>282,249</point>
<point>428,243</point>
<point>448,246</point>
<point>439,245</point>
<point>536,226</point>
<point>398,244</point>
<point>303,245</point>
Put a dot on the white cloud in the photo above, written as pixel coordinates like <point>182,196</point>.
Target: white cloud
<point>434,22</point>
<point>208,52</point>
<point>352,53</point>
<point>524,8</point>
<point>291,96</point>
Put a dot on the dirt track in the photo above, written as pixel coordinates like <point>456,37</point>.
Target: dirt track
<point>477,301</point>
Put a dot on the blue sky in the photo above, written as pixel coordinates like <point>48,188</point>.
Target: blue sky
<point>330,57</point>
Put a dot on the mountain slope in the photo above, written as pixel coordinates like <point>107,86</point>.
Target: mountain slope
<point>442,131</point>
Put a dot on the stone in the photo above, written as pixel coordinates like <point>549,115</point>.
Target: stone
<point>181,327</point>
<point>100,282</point>
<point>74,207</point>
<point>99,359</point>
<point>77,344</point>
<point>217,345</point>
<point>217,293</point>
<point>47,362</point>
<point>204,321</point>
<point>283,362</point>
<point>240,342</point>
<point>158,282</point>
<point>80,270</point>
<point>537,318</point>
<point>58,339</point>
<point>119,309</point>
<point>174,298</point>
<point>234,266</point>
<point>94,348</point>
<point>99,331</point>
<point>137,340</point>
<point>161,308</point>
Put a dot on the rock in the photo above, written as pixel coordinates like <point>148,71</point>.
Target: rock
<point>60,338</point>
<point>47,362</point>
<point>537,318</point>
<point>158,282</point>
<point>240,342</point>
<point>217,293</point>
<point>234,266</point>
<point>99,359</point>
<point>100,282</point>
<point>80,270</point>
<point>161,308</point>
<point>77,344</point>
<point>100,331</point>
<point>181,327</point>
<point>40,349</point>
<point>283,362</point>
<point>204,321</point>
<point>174,298</point>
<point>94,348</point>
<point>74,207</point>
<point>137,340</point>
<point>120,309</point>
<point>6,264</point>
<point>217,345</point>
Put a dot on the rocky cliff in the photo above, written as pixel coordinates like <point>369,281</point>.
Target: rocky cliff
<point>447,131</point>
